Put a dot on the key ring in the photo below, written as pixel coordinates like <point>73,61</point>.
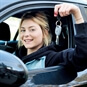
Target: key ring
<point>60,23</point>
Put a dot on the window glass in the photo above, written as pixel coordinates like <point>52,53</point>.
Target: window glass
<point>13,23</point>
<point>86,10</point>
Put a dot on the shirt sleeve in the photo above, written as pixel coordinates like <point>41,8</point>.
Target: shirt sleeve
<point>76,57</point>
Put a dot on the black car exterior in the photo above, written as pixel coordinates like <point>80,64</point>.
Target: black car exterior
<point>16,8</point>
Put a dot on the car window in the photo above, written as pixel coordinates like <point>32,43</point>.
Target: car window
<point>65,38</point>
<point>86,10</point>
<point>13,23</point>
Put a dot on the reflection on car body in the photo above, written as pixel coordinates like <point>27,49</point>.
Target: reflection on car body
<point>11,12</point>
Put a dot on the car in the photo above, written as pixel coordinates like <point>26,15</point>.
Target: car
<point>11,12</point>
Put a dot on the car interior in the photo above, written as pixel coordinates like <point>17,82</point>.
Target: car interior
<point>65,38</point>
<point>5,34</point>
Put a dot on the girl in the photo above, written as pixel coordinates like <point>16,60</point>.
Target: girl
<point>35,48</point>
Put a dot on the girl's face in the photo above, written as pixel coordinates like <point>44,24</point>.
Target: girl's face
<point>31,34</point>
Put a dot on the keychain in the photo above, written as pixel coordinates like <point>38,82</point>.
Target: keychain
<point>58,29</point>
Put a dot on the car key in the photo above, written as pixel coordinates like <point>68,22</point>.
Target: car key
<point>57,32</point>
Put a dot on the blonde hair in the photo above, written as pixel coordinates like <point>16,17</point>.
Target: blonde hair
<point>41,19</point>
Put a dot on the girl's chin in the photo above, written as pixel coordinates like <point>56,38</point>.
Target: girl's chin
<point>29,47</point>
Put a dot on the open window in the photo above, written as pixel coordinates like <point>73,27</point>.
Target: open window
<point>65,38</point>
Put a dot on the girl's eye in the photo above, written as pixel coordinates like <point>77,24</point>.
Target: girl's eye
<point>32,29</point>
<point>22,30</point>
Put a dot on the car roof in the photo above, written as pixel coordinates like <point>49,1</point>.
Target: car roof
<point>4,3</point>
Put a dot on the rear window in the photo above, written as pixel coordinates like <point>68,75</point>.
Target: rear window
<point>13,23</point>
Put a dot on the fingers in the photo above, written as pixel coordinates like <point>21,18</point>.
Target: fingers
<point>66,9</point>
<point>62,9</point>
<point>56,9</point>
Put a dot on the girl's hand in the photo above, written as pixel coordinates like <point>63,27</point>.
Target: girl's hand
<point>66,9</point>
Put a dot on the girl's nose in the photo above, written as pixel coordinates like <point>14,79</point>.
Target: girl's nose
<point>27,33</point>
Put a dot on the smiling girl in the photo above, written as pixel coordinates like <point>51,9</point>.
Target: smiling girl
<point>35,48</point>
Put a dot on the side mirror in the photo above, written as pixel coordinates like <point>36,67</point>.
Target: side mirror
<point>13,72</point>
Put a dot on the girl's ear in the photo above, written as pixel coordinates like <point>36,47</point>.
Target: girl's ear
<point>45,32</point>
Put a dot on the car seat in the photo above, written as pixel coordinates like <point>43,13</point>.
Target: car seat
<point>5,42</point>
<point>4,36</point>
<point>4,31</point>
